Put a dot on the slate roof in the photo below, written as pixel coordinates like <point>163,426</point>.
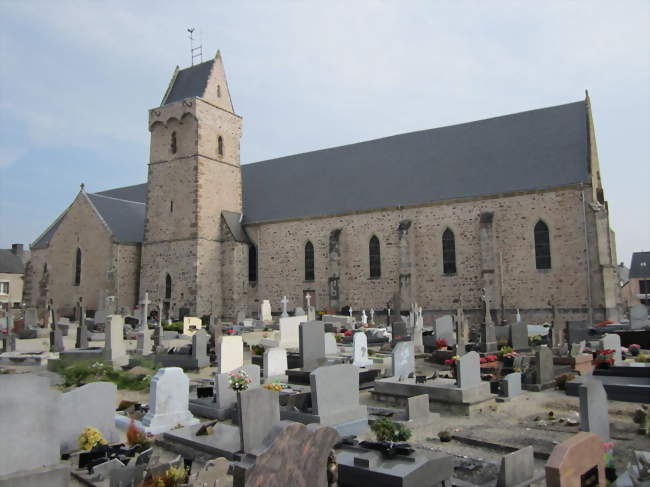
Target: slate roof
<point>536,149</point>
<point>526,151</point>
<point>189,82</point>
<point>640,266</point>
<point>124,218</point>
<point>10,263</point>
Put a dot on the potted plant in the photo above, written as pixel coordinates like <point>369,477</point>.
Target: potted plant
<point>390,432</point>
<point>604,358</point>
<point>441,344</point>
<point>634,349</point>
<point>257,350</point>
<point>91,437</point>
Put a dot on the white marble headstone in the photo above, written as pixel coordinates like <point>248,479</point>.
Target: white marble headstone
<point>191,324</point>
<point>114,349</point>
<point>360,353</point>
<point>289,331</point>
<point>169,396</point>
<point>265,311</point>
<point>331,348</point>
<point>275,362</point>
<point>231,353</point>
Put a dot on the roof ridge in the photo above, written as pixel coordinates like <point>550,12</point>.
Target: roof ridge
<point>118,199</point>
<point>412,132</point>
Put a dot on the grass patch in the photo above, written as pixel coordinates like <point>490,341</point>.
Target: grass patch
<point>176,326</point>
<point>78,373</point>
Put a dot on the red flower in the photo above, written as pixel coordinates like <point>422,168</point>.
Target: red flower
<point>441,343</point>
<point>449,361</point>
<point>347,333</point>
<point>491,358</point>
<point>483,360</point>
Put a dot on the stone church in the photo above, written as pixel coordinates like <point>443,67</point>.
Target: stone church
<point>513,205</point>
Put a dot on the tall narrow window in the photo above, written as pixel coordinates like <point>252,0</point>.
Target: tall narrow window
<point>220,145</point>
<point>448,252</point>
<point>168,287</point>
<point>218,91</point>
<point>172,144</point>
<point>171,206</point>
<point>375,257</point>
<point>542,246</point>
<point>252,263</point>
<point>309,261</point>
<point>77,268</point>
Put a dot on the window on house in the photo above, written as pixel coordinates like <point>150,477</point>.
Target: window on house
<point>644,286</point>
<point>168,287</point>
<point>542,246</point>
<point>309,261</point>
<point>220,145</point>
<point>172,145</point>
<point>77,268</point>
<point>375,258</point>
<point>448,252</point>
<point>252,263</point>
<point>171,206</point>
<point>4,287</point>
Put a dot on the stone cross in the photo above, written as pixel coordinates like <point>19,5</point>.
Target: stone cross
<point>388,314</point>
<point>488,315</point>
<point>308,298</point>
<point>518,317</point>
<point>372,315</point>
<point>350,311</point>
<point>284,302</point>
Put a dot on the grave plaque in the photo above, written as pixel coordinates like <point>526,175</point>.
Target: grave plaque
<point>403,360</point>
<point>638,316</point>
<point>259,412</point>
<point>312,344</point>
<point>573,461</point>
<point>360,352</point>
<point>468,370</point>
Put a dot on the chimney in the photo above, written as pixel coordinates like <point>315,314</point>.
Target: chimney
<point>17,249</point>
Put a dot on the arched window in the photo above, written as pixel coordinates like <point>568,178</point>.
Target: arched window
<point>220,145</point>
<point>252,263</point>
<point>542,246</point>
<point>77,268</point>
<point>375,257</point>
<point>171,206</point>
<point>448,252</point>
<point>309,261</point>
<point>45,268</point>
<point>168,287</point>
<point>172,145</point>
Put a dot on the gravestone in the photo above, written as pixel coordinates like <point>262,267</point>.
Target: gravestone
<point>28,406</point>
<point>511,385</point>
<point>577,461</point>
<point>638,316</point>
<point>577,331</point>
<point>275,362</point>
<point>114,349</point>
<point>143,346</point>
<point>519,336</point>
<point>299,312</point>
<point>418,328</point>
<point>612,341</point>
<point>417,408</point>
<point>224,397</point>
<point>577,348</point>
<point>443,329</point>
<point>399,331</point>
<point>231,353</point>
<point>403,360</point>
<point>191,324</point>
<point>213,473</point>
<point>360,352</point>
<point>56,337</point>
<point>31,318</point>
<point>594,413</point>
<point>259,412</point>
<point>200,349</point>
<point>284,302</point>
<point>335,395</point>
<point>544,368</point>
<point>312,344</point>
<point>89,405</point>
<point>265,311</point>
<point>517,468</point>
<point>241,316</point>
<point>289,331</point>
<point>82,330</point>
<point>169,395</point>
<point>331,347</point>
<point>468,370</point>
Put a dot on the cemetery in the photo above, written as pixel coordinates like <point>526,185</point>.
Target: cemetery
<point>443,402</point>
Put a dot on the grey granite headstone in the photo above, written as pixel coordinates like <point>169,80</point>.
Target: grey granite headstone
<point>638,316</point>
<point>335,394</point>
<point>259,412</point>
<point>143,343</point>
<point>331,348</point>
<point>577,331</point>
<point>612,341</point>
<point>82,335</point>
<point>399,331</point>
<point>200,348</point>
<point>28,422</point>
<point>114,349</point>
<point>519,336</point>
<point>517,468</point>
<point>594,413</point>
<point>312,343</point>
<point>89,405</point>
<point>417,408</point>
<point>224,396</point>
<point>544,367</point>
<point>577,348</point>
<point>468,370</point>
<point>511,385</point>
<point>444,329</point>
<point>403,360</point>
<point>31,318</point>
<point>56,337</point>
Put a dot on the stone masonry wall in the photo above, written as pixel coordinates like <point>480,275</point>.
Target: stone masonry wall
<point>281,256</point>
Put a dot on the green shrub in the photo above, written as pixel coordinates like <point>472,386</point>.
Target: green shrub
<point>387,430</point>
<point>82,372</point>
<point>174,326</point>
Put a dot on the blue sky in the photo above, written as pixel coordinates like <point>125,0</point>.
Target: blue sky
<point>77,79</point>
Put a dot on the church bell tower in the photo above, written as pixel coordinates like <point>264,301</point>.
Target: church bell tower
<point>194,175</point>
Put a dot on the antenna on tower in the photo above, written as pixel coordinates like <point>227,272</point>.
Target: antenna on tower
<point>195,52</point>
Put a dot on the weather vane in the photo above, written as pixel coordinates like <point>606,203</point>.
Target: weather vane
<point>195,52</point>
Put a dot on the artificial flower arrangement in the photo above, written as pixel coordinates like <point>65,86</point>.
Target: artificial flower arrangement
<point>605,358</point>
<point>135,437</point>
<point>452,361</point>
<point>441,344</point>
<point>239,381</point>
<point>275,385</point>
<point>90,437</point>
<point>634,349</point>
<point>491,358</point>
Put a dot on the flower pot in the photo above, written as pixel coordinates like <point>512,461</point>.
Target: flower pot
<point>634,351</point>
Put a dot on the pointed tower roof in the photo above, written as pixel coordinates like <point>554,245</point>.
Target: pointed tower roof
<point>206,80</point>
